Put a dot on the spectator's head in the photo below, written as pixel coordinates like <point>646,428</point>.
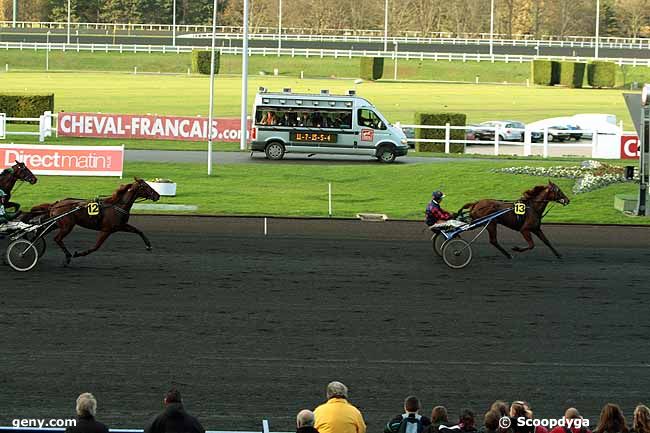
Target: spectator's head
<point>641,423</point>
<point>500,407</point>
<point>86,404</point>
<point>491,420</point>
<point>172,396</point>
<point>305,418</point>
<point>411,404</point>
<point>439,415</point>
<point>611,420</point>
<point>518,409</point>
<point>337,390</point>
<point>572,413</point>
<point>466,419</point>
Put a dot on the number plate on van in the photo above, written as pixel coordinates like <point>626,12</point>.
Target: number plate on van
<point>314,137</point>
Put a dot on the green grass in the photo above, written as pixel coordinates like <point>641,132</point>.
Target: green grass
<point>401,192</point>
<point>287,66</point>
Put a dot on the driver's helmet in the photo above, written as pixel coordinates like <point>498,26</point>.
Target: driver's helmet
<point>437,195</point>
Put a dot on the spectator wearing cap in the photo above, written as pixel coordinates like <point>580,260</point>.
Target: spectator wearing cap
<point>174,418</point>
<point>86,410</point>
<point>337,415</point>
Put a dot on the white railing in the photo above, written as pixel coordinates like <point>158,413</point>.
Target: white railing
<point>376,34</point>
<point>311,52</point>
<point>600,144</point>
<point>44,121</point>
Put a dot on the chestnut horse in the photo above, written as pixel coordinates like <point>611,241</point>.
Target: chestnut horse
<point>535,200</point>
<point>105,215</point>
<point>10,176</point>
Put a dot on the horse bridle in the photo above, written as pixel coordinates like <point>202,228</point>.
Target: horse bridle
<point>121,202</point>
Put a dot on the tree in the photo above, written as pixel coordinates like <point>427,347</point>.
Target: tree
<point>58,10</point>
<point>634,15</point>
<point>122,11</point>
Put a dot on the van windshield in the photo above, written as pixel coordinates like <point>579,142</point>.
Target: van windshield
<point>303,117</point>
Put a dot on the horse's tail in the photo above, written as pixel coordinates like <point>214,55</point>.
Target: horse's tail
<point>36,213</point>
<point>469,206</point>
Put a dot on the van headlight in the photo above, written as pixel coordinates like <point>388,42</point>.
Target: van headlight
<point>404,141</point>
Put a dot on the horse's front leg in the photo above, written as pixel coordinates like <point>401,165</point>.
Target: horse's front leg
<point>100,240</point>
<point>130,229</point>
<point>544,239</point>
<point>529,238</point>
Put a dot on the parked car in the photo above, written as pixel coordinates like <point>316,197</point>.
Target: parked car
<point>558,133</point>
<point>577,136</point>
<point>509,130</point>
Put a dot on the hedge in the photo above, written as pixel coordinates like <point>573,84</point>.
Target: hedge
<point>572,74</point>
<point>371,68</point>
<point>601,74</point>
<point>26,105</point>
<point>440,119</point>
<point>201,61</point>
<point>545,72</point>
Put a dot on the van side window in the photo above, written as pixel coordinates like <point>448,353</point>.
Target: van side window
<point>369,119</point>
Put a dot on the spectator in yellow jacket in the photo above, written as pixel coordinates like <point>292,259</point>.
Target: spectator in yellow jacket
<point>337,415</point>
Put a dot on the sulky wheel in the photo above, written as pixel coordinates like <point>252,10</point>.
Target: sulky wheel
<point>438,240</point>
<point>21,255</point>
<point>456,253</point>
<point>39,243</point>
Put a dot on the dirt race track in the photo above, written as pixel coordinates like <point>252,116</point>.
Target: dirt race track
<point>252,327</point>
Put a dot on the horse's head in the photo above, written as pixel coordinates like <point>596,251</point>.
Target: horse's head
<point>556,194</point>
<point>20,171</point>
<point>144,190</point>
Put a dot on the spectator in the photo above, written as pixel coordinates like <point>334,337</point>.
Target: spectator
<point>174,418</point>
<point>439,418</point>
<point>518,409</point>
<point>529,413</point>
<point>491,422</point>
<point>466,423</point>
<point>500,407</point>
<point>410,421</point>
<point>641,422</point>
<point>337,415</point>
<point>611,420</point>
<point>86,410</point>
<point>305,422</point>
<point>572,414</point>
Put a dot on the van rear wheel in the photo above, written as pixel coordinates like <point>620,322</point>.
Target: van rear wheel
<point>386,154</point>
<point>274,151</point>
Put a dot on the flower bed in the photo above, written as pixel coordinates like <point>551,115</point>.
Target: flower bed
<point>589,175</point>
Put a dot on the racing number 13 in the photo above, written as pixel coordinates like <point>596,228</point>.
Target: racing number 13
<point>93,209</point>
<point>520,208</point>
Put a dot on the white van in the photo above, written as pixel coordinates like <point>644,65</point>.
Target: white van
<point>322,123</point>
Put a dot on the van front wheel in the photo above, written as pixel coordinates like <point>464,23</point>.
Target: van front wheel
<point>386,154</point>
<point>274,151</point>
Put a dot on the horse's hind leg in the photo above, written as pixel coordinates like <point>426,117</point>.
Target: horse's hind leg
<point>130,229</point>
<point>492,231</point>
<point>100,240</point>
<point>64,231</point>
<point>544,239</point>
<point>529,238</point>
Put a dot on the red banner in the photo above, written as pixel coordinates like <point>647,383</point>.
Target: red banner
<point>147,127</point>
<point>65,160</point>
<point>629,147</point>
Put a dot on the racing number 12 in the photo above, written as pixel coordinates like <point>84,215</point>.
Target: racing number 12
<point>93,209</point>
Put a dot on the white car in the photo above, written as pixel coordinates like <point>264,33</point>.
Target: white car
<point>509,130</point>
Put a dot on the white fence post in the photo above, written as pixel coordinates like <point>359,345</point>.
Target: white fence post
<point>527,140</point>
<point>496,139</point>
<point>329,198</point>
<point>594,143</point>
<point>3,125</point>
<point>447,137</point>
<point>545,142</point>
<point>265,426</point>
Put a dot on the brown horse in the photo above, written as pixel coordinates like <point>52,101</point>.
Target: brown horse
<point>535,200</point>
<point>10,176</point>
<point>105,215</point>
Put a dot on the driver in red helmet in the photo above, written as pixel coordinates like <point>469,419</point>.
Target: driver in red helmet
<point>434,213</point>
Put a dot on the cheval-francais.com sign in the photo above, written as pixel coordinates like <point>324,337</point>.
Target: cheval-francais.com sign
<point>65,160</point>
<point>629,147</point>
<point>148,127</point>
